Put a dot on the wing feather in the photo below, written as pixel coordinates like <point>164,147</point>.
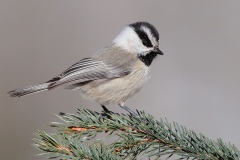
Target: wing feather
<point>88,69</point>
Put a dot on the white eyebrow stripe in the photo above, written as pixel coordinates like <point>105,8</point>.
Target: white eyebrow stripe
<point>150,36</point>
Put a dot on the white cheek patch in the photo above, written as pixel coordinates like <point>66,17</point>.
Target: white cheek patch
<point>129,40</point>
<point>125,38</point>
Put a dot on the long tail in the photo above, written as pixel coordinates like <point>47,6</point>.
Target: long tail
<point>29,90</point>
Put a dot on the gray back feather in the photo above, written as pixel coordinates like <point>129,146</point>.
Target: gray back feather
<point>110,62</point>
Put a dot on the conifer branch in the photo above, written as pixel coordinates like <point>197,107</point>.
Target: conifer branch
<point>137,137</point>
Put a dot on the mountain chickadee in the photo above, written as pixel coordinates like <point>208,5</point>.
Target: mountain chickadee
<point>113,74</point>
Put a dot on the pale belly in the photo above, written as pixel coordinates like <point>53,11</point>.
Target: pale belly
<point>116,90</point>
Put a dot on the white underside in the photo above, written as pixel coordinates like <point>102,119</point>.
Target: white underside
<point>117,90</point>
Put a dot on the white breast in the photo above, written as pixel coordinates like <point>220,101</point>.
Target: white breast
<point>117,90</point>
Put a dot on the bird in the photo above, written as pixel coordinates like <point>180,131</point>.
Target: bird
<point>114,73</point>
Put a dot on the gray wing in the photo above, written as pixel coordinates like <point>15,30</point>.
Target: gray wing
<point>86,70</point>
<point>89,69</point>
<point>111,62</point>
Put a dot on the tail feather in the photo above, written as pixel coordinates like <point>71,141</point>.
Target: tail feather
<point>29,90</point>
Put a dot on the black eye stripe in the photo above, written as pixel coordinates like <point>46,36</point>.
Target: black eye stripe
<point>143,36</point>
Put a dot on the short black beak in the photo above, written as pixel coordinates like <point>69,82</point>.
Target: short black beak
<point>158,51</point>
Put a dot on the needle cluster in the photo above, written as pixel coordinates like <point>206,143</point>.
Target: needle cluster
<point>136,138</point>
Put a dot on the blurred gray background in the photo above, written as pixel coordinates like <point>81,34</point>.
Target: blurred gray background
<point>196,83</point>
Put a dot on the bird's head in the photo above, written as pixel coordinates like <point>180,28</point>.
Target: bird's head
<point>140,38</point>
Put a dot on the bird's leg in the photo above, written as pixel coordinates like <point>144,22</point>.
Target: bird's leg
<point>106,110</point>
<point>136,115</point>
<point>122,105</point>
<point>105,113</point>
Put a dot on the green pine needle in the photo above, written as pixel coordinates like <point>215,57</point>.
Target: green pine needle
<point>137,138</point>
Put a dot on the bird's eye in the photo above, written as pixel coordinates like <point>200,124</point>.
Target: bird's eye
<point>144,42</point>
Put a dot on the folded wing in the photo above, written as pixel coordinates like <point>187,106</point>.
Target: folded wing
<point>88,69</point>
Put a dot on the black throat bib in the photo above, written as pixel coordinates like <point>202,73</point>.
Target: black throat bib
<point>148,58</point>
